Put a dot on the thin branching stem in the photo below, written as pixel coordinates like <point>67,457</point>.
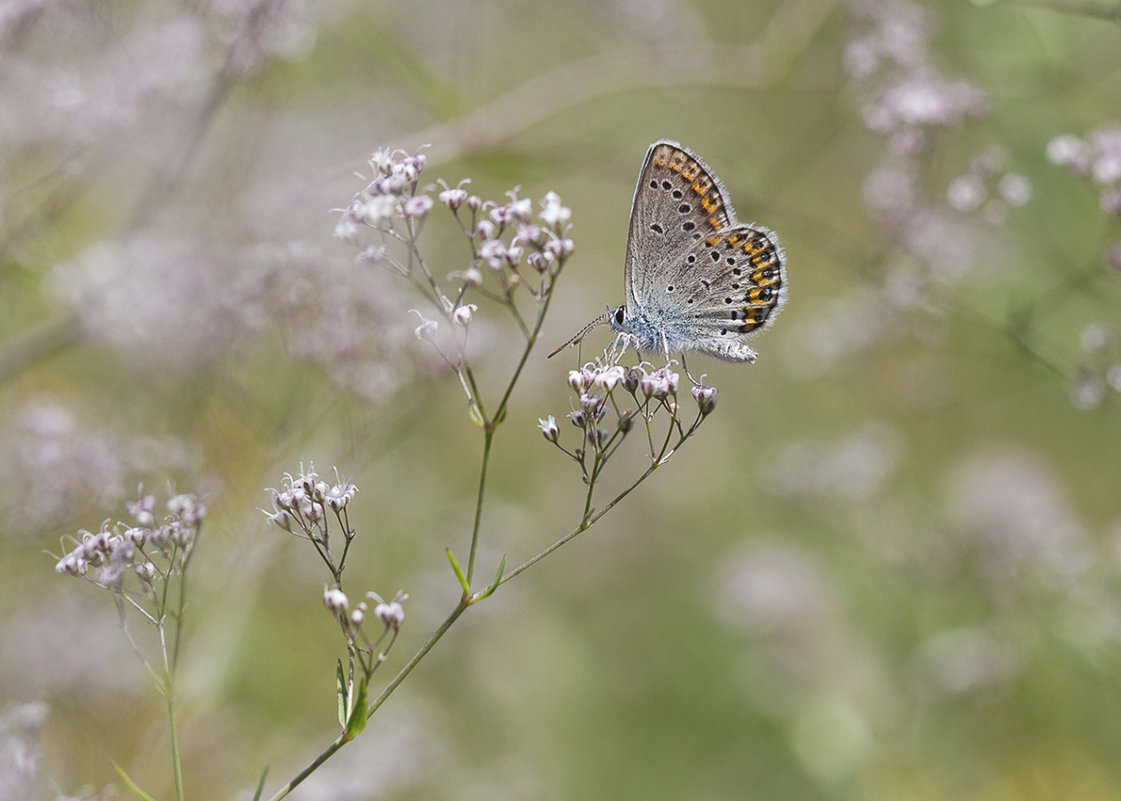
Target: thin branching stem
<point>488,440</point>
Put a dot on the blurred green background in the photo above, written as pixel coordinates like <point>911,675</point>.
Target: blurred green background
<point>887,567</point>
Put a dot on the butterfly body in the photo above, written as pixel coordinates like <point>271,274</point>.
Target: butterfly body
<point>696,279</point>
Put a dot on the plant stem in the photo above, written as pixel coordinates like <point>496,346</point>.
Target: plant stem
<point>173,725</point>
<point>489,438</point>
<point>338,743</point>
<point>460,608</point>
<point>585,524</point>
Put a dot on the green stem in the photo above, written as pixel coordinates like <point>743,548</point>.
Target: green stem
<point>177,768</point>
<point>530,342</point>
<point>585,524</point>
<point>489,438</point>
<point>343,738</point>
<point>460,608</point>
<point>338,743</point>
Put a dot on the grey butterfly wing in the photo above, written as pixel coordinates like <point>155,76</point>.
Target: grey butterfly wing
<point>677,202</point>
<point>702,278</point>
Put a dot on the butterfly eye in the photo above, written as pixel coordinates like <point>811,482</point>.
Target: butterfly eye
<point>619,315</point>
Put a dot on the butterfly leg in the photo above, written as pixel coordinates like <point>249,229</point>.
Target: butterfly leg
<point>685,367</point>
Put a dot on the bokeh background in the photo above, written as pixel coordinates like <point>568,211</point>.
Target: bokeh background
<point>887,567</point>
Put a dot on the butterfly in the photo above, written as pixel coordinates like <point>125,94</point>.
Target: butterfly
<point>696,279</point>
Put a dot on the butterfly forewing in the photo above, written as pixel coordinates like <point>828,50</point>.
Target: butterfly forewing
<point>677,204</point>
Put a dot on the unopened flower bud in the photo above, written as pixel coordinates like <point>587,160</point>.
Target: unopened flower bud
<point>334,599</point>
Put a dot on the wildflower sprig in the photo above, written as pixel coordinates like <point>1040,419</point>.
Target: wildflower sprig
<point>139,560</point>
<point>144,562</point>
<point>609,400</point>
<point>514,253</point>
<point>304,506</point>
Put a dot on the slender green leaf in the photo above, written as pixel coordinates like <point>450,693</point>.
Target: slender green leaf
<point>130,783</point>
<point>261,784</point>
<point>357,720</point>
<point>341,692</point>
<point>459,572</point>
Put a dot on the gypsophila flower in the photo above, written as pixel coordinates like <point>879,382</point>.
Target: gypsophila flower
<point>1068,150</point>
<point>1088,391</point>
<point>705,397</point>
<point>148,551</point>
<point>335,599</point>
<point>634,394</point>
<point>591,404</point>
<point>392,614</point>
<point>529,234</point>
<point>1015,189</point>
<point>427,328</point>
<point>338,496</point>
<point>610,377</point>
<point>560,248</point>
<point>470,277</point>
<point>966,193</point>
<point>187,509</point>
<point>1110,200</point>
<point>540,260</point>
<point>493,252</point>
<point>549,428</point>
<point>462,314</point>
<point>553,213</point>
<point>659,384</point>
<point>376,210</point>
<point>580,379</point>
<point>453,198</point>
<point>417,207</point>
<point>141,510</point>
<point>1095,336</point>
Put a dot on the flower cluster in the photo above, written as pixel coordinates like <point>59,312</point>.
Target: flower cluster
<point>988,186</point>
<point>516,255</point>
<point>504,238</point>
<point>907,98</point>
<point>611,398</point>
<point>390,613</point>
<point>1098,157</point>
<point>153,551</point>
<point>1100,368</point>
<point>304,506</point>
<point>935,230</point>
<point>301,507</point>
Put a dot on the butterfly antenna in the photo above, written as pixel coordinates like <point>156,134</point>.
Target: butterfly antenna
<point>583,332</point>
